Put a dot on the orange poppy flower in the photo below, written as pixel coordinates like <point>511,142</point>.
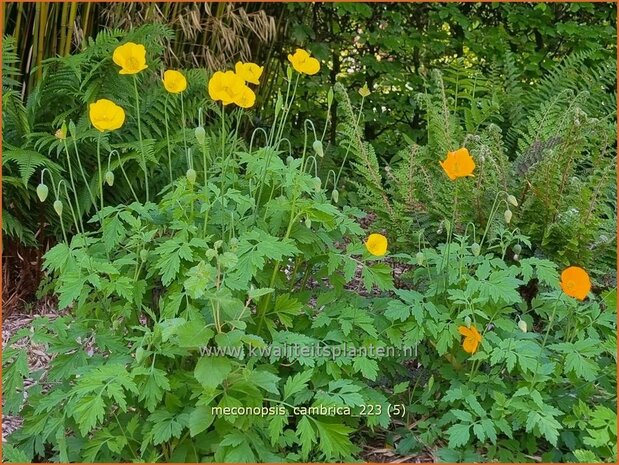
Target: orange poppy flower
<point>472,338</point>
<point>458,164</point>
<point>575,282</point>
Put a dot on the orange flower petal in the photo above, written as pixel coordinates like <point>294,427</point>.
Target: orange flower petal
<point>575,282</point>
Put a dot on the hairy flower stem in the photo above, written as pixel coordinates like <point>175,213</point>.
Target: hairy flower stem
<point>184,123</point>
<point>77,203</point>
<point>493,210</point>
<point>137,110</point>
<point>267,298</point>
<point>167,136</point>
<point>550,323</point>
<point>446,257</point>
<point>100,171</point>
<point>223,169</point>
<point>66,192</point>
<point>79,163</point>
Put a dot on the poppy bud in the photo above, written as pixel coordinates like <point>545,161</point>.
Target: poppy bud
<point>42,191</point>
<point>317,184</point>
<point>516,257</point>
<point>289,159</point>
<point>308,223</point>
<point>109,178</point>
<point>507,215</point>
<point>421,258</point>
<point>523,326</point>
<point>139,354</point>
<point>467,321</point>
<point>317,145</point>
<point>517,248</point>
<point>58,207</point>
<point>218,244</point>
<point>143,255</point>
<point>476,249</point>
<point>191,175</point>
<point>233,244</point>
<point>335,195</point>
<point>289,73</point>
<point>511,199</point>
<point>330,96</point>
<point>200,134</point>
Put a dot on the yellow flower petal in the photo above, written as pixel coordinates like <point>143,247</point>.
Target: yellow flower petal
<point>376,244</point>
<point>249,72</point>
<point>246,98</point>
<point>105,115</point>
<point>130,57</point>
<point>303,63</point>
<point>174,81</point>
<point>226,87</point>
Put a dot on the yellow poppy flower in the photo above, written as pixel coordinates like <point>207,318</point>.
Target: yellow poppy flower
<point>174,81</point>
<point>458,164</point>
<point>105,115</point>
<point>376,244</point>
<point>226,87</point>
<point>575,282</point>
<point>246,98</point>
<point>249,72</point>
<point>472,338</point>
<point>302,62</point>
<point>130,57</point>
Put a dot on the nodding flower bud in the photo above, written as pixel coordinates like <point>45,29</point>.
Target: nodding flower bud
<point>58,207</point>
<point>335,195</point>
<point>308,223</point>
<point>511,199</point>
<point>317,145</point>
<point>200,134</point>
<point>42,191</point>
<point>109,178</point>
<point>476,249</point>
<point>517,248</point>
<point>364,91</point>
<point>330,96</point>
<point>191,175</point>
<point>421,258</point>
<point>516,257</point>
<point>143,255</point>
<point>467,321</point>
<point>523,326</point>
<point>289,159</point>
<point>317,184</point>
<point>508,215</point>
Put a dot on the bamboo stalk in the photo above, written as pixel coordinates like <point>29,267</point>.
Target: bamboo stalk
<point>44,10</point>
<point>72,15</point>
<point>63,27</point>
<point>53,28</point>
<point>86,24</point>
<point>20,14</point>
